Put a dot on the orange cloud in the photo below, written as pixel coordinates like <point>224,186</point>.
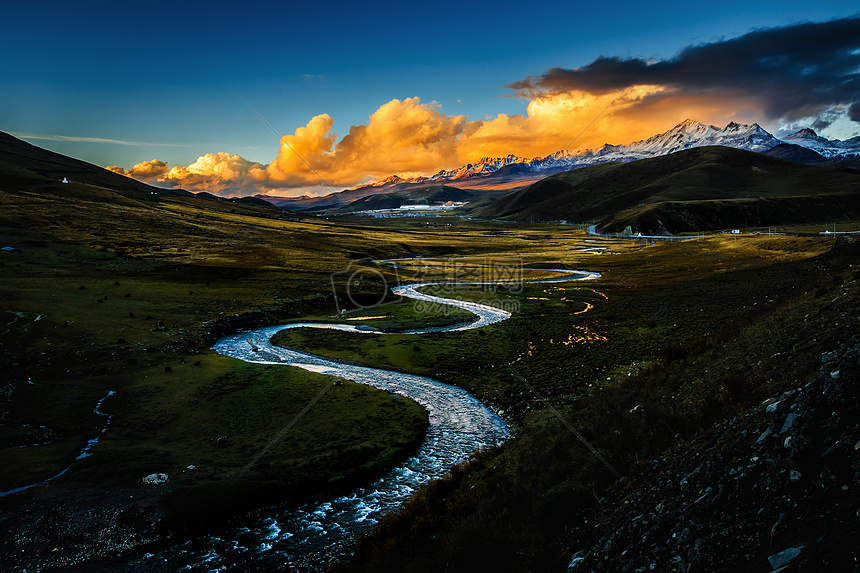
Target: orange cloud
<point>407,137</point>
<point>310,146</point>
<point>222,173</point>
<point>400,136</point>
<point>223,165</point>
<point>551,123</point>
<point>563,119</point>
<point>151,170</point>
<point>404,135</point>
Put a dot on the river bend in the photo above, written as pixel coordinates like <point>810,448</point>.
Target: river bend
<point>306,538</point>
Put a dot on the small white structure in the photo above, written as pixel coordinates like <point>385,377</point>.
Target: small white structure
<point>736,231</point>
<point>65,180</point>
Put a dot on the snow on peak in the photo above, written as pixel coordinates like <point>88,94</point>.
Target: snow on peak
<point>805,133</point>
<point>829,148</point>
<point>692,126</point>
<point>687,134</point>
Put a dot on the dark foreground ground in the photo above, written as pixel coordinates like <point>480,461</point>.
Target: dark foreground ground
<point>777,486</point>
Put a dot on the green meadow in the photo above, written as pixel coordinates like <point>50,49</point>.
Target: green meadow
<point>127,293</point>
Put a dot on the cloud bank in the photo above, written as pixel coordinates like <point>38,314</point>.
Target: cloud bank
<point>809,70</point>
<point>805,74</point>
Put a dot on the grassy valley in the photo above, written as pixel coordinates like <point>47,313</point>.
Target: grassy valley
<point>681,339</point>
<point>112,286</point>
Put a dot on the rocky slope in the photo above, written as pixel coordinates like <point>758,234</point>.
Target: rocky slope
<point>777,488</point>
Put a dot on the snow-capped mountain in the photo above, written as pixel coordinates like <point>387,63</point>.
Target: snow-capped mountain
<point>687,134</point>
<point>832,149</point>
<point>394,180</point>
<point>485,166</point>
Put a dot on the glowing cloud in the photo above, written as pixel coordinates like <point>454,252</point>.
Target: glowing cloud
<point>221,173</point>
<point>400,136</point>
<point>779,74</point>
<point>310,147</point>
<point>556,121</point>
<point>805,72</point>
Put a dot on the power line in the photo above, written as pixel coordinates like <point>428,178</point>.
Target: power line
<point>567,424</point>
<point>290,147</point>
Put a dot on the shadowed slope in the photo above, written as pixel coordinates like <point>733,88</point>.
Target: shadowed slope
<point>696,189</point>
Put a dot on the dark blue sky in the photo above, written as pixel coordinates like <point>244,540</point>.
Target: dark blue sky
<point>163,80</point>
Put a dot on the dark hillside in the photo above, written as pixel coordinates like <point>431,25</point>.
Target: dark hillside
<point>434,195</point>
<point>33,170</point>
<point>697,189</point>
<point>796,153</point>
<point>23,163</point>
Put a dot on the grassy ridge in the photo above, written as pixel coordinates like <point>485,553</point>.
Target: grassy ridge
<point>693,190</point>
<point>421,196</point>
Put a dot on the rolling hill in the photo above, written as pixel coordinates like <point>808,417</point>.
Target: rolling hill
<point>433,195</point>
<point>692,190</point>
<point>23,164</point>
<point>33,170</point>
<point>797,153</point>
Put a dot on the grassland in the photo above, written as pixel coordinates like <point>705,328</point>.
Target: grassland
<point>681,336</point>
<point>112,292</point>
<point>125,291</point>
<point>570,337</point>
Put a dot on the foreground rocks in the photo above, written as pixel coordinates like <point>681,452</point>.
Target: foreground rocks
<point>775,489</point>
<point>54,527</point>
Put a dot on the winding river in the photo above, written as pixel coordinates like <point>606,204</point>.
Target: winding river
<point>309,537</point>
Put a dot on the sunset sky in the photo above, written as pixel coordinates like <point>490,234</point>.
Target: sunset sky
<point>361,91</point>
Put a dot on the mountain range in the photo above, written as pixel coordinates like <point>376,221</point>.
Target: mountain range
<point>684,187</point>
<point>697,189</point>
<point>507,172</point>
